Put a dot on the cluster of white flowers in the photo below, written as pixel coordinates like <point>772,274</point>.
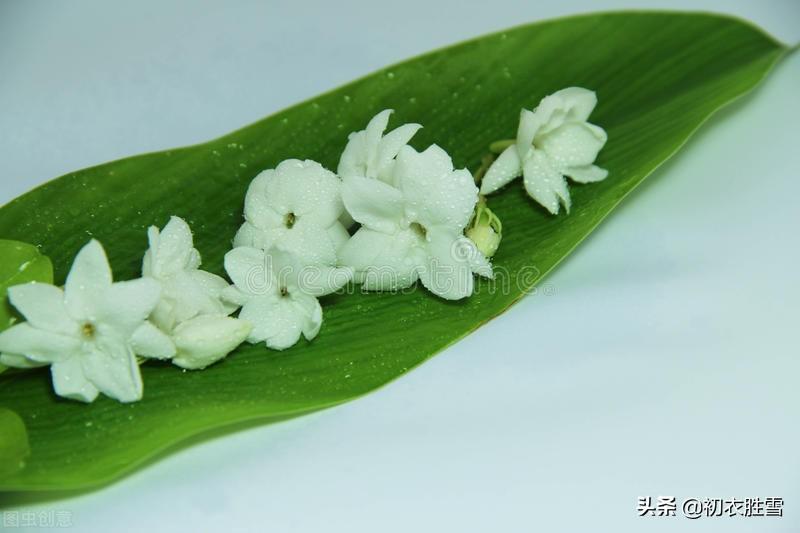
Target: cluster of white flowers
<point>413,210</point>
<point>91,331</point>
<point>286,254</point>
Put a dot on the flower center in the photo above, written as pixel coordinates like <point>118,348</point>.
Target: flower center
<point>88,330</point>
<point>419,229</point>
<point>290,220</point>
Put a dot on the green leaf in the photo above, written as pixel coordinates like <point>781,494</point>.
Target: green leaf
<point>19,263</point>
<point>658,77</point>
<point>14,446</point>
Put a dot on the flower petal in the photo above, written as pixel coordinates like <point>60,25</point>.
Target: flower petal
<point>43,306</point>
<point>465,248</point>
<point>206,339</point>
<point>70,382</point>
<point>258,210</point>
<point>373,203</point>
<point>310,243</point>
<point>252,236</point>
<point>562,190</point>
<point>306,190</point>
<point>194,261</point>
<point>111,367</point>
<point>384,262</point>
<point>504,169</point>
<point>543,183</point>
<point>353,161</point>
<point>586,174</point>
<point>482,266</point>
<point>312,312</point>
<point>573,144</point>
<point>448,273</point>
<point>19,361</point>
<point>553,111</point>
<point>240,264</point>
<point>321,280</point>
<point>338,234</point>
<point>372,138</point>
<point>147,260</point>
<point>149,341</point>
<point>210,283</point>
<point>172,249</point>
<point>164,315</point>
<point>249,271</point>
<point>126,304</point>
<point>312,279</point>
<point>213,286</point>
<point>529,124</point>
<point>389,147</point>
<point>435,194</point>
<point>233,296</point>
<point>276,321</point>
<point>370,154</point>
<point>37,344</point>
<point>189,297</point>
<point>87,280</point>
<point>415,170</point>
<point>577,101</point>
<point>573,104</point>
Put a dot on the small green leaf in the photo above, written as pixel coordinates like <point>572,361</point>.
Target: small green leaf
<point>19,263</point>
<point>658,76</point>
<point>14,448</point>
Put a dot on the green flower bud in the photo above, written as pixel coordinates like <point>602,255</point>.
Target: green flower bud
<point>485,238</point>
<point>485,230</point>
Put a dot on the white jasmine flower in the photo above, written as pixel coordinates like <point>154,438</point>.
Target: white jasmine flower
<point>278,294</point>
<point>553,141</point>
<point>297,206</point>
<point>370,153</point>
<point>415,230</point>
<point>186,291</point>
<point>190,309</point>
<point>90,331</point>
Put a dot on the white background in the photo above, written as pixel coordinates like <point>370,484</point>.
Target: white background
<point>683,380</point>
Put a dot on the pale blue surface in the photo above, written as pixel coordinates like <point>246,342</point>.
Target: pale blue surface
<point>683,380</point>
